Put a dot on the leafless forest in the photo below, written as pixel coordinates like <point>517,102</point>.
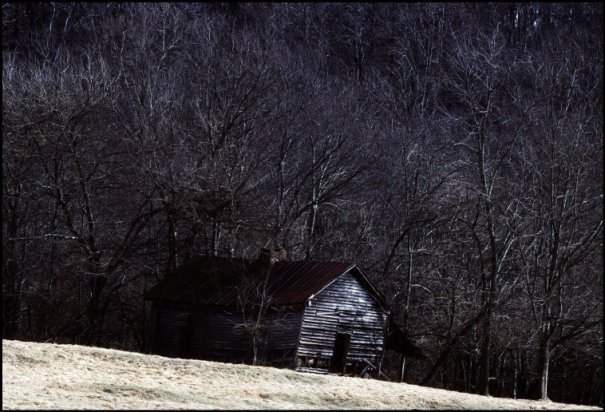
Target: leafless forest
<point>453,151</point>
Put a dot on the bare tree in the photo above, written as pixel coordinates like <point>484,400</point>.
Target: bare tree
<point>454,152</point>
<point>567,225</point>
<point>489,138</point>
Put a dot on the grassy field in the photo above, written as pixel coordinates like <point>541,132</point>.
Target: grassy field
<point>49,376</point>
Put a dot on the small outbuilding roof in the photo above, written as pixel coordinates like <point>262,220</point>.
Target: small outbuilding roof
<point>221,281</point>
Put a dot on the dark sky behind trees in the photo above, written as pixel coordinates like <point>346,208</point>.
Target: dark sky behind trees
<point>453,151</point>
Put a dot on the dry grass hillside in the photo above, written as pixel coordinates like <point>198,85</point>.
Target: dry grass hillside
<point>49,376</point>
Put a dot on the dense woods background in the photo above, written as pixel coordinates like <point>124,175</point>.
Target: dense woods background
<point>453,151</point>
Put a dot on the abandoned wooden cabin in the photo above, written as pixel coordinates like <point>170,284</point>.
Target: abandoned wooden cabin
<point>314,316</point>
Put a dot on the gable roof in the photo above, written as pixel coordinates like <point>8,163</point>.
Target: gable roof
<point>220,281</point>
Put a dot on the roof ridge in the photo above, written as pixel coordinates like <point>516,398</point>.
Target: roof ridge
<point>290,282</point>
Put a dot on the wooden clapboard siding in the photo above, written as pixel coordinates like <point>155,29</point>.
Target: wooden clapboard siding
<point>217,335</point>
<point>196,332</point>
<point>345,306</point>
<point>283,329</point>
<point>169,333</point>
<point>212,333</point>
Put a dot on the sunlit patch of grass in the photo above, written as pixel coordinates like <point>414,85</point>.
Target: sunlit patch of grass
<point>30,360</point>
<point>48,376</point>
<point>142,392</point>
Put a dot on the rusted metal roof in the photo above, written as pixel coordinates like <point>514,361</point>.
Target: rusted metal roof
<point>296,282</point>
<point>221,281</point>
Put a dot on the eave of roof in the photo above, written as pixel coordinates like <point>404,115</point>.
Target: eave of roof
<point>217,281</point>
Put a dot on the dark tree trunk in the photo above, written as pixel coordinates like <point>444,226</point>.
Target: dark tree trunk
<point>485,352</point>
<point>11,302</point>
<point>543,366</point>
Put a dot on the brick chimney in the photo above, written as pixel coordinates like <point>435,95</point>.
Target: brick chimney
<point>271,256</point>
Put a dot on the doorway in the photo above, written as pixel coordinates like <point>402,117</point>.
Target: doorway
<point>339,356</point>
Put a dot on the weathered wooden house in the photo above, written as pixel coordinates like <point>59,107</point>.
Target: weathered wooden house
<point>319,316</point>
